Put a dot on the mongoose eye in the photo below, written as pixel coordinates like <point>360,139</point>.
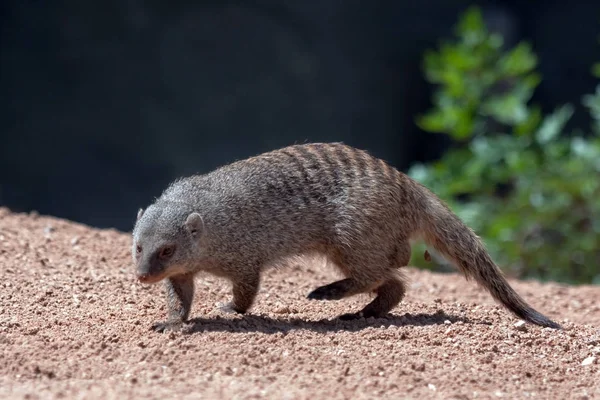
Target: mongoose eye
<point>138,249</point>
<point>167,252</point>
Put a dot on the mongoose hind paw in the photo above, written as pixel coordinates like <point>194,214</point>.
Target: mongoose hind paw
<point>327,292</point>
<point>167,326</point>
<point>351,316</point>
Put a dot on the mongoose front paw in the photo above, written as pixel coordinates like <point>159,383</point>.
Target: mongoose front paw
<point>167,326</point>
<point>228,308</point>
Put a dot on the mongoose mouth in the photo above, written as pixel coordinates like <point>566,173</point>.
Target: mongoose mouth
<point>150,278</point>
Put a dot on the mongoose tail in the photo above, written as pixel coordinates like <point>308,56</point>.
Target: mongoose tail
<point>447,234</point>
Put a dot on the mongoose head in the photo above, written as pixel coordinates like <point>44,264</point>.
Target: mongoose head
<point>165,241</point>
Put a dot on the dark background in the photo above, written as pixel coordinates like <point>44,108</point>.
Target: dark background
<point>104,102</point>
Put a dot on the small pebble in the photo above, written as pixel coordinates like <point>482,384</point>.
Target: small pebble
<point>588,361</point>
<point>520,326</point>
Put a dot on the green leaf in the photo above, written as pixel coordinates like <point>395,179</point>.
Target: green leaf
<point>531,122</point>
<point>518,61</point>
<point>553,124</point>
<point>464,125</point>
<point>507,109</point>
<point>596,70</point>
<point>520,162</point>
<point>496,41</point>
<point>592,102</point>
<point>532,80</point>
<point>454,83</point>
<point>432,66</point>
<point>434,121</point>
<point>471,27</point>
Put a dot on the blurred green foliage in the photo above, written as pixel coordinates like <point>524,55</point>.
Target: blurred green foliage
<point>528,187</point>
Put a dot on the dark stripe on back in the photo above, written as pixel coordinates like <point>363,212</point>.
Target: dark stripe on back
<point>313,163</point>
<point>302,177</point>
<point>344,162</point>
<point>336,180</point>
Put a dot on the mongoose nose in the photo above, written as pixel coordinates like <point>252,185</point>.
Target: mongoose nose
<point>143,277</point>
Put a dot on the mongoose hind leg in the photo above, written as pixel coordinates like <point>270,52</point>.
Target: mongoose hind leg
<point>244,288</point>
<point>180,293</point>
<point>391,291</point>
<point>361,268</point>
<point>389,295</point>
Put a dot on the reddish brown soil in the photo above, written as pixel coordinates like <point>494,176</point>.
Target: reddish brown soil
<point>74,323</point>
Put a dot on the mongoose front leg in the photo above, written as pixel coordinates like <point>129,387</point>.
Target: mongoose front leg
<point>245,288</point>
<point>388,296</point>
<point>180,292</point>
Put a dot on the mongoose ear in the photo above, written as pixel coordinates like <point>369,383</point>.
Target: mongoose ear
<point>139,214</point>
<point>194,223</point>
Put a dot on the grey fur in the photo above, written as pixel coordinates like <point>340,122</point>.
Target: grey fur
<point>325,198</point>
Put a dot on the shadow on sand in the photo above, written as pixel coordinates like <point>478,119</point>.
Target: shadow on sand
<point>264,324</point>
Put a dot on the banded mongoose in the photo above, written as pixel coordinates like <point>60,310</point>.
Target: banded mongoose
<point>326,198</point>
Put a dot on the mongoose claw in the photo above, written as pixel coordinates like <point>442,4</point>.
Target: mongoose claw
<point>167,326</point>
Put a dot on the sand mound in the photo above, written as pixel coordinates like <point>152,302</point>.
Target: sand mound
<point>74,323</point>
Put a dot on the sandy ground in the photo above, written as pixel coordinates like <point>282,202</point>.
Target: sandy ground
<point>74,323</point>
